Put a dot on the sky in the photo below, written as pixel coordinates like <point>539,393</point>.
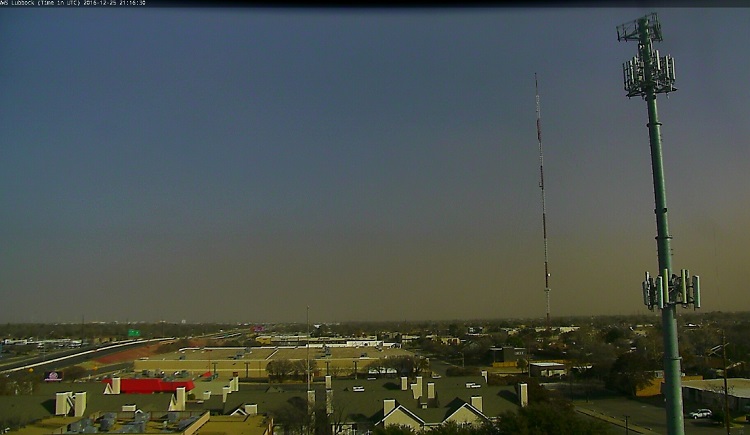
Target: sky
<point>244,164</point>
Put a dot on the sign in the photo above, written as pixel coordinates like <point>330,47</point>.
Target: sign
<point>134,333</point>
<point>53,376</point>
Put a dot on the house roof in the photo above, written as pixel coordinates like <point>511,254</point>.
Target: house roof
<point>737,387</point>
<point>548,365</point>
<point>41,404</point>
<point>458,405</point>
<point>236,425</point>
<point>26,407</point>
<point>451,394</point>
<point>401,409</point>
<point>268,398</point>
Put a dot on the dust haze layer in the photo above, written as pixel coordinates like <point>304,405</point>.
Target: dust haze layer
<point>216,165</point>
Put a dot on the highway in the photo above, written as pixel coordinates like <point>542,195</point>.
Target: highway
<point>59,360</point>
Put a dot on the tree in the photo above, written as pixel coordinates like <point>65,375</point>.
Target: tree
<point>617,336</point>
<point>405,365</point>
<point>477,351</point>
<point>280,369</point>
<point>453,428</point>
<point>522,364</point>
<point>394,430</point>
<point>651,346</point>
<point>300,368</point>
<point>512,423</point>
<point>294,417</point>
<point>454,330</point>
<point>631,372</point>
<point>335,370</point>
<point>515,341</point>
<point>590,354</point>
<point>552,417</point>
<point>379,365</point>
<point>322,424</point>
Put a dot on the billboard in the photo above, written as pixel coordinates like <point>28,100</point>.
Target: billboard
<point>134,333</point>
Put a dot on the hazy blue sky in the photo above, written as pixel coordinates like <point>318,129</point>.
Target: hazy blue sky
<point>242,164</point>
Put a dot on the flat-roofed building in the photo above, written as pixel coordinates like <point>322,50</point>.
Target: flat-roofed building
<point>710,392</point>
<point>547,369</point>
<point>251,362</point>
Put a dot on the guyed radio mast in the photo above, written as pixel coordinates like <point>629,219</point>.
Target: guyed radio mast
<point>541,186</point>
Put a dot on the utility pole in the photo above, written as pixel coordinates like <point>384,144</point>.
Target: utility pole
<point>646,75</point>
<point>724,365</point>
<point>310,393</point>
<point>307,348</point>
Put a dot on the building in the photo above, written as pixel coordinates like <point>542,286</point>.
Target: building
<point>654,388</point>
<point>710,392</point>
<point>147,385</point>
<point>507,355</point>
<point>420,403</point>
<point>251,362</point>
<point>354,406</point>
<point>547,369</point>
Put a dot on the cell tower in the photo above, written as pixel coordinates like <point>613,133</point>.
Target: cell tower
<point>646,75</point>
<point>541,186</point>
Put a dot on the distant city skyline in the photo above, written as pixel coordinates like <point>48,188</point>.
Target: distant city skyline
<point>241,164</point>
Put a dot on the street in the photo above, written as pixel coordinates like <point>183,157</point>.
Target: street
<point>649,416</point>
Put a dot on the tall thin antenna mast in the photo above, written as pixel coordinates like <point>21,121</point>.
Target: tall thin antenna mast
<point>541,186</point>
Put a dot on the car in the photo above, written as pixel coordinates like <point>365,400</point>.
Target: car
<point>701,413</point>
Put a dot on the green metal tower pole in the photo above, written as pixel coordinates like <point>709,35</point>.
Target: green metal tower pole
<point>672,370</point>
<point>646,75</point>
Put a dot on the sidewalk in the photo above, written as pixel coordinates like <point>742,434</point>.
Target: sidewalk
<point>614,421</point>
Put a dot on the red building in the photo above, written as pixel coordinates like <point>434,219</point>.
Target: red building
<point>150,385</point>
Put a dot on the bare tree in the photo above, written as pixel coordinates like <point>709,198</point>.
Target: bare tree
<point>280,369</point>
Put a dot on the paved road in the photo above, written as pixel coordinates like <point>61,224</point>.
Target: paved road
<point>439,367</point>
<point>11,363</point>
<point>74,357</point>
<point>648,416</point>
